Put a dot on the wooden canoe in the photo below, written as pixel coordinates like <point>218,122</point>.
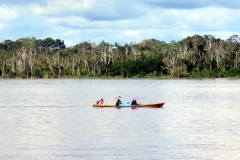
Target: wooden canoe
<point>150,105</point>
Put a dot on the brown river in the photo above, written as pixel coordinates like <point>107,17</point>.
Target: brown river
<point>54,119</point>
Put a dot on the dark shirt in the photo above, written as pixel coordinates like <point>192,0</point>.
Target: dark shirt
<point>118,102</point>
<point>134,102</point>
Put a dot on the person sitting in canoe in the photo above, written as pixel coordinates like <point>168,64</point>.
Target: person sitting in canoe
<point>134,102</point>
<point>118,102</point>
<point>101,101</point>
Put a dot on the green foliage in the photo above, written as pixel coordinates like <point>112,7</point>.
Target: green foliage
<point>139,68</point>
<point>194,57</point>
<point>180,71</point>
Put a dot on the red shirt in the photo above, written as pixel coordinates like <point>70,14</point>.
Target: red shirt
<point>101,101</point>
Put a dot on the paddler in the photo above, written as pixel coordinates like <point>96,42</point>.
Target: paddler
<point>101,101</point>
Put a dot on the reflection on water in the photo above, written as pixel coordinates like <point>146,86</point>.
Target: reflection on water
<point>53,119</point>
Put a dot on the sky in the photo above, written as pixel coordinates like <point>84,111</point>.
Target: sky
<point>121,21</point>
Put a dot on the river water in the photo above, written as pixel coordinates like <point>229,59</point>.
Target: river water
<point>54,119</point>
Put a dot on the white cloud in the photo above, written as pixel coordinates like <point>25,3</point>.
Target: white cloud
<point>8,14</point>
<point>63,7</point>
<point>132,33</point>
<point>93,10</point>
<point>115,21</point>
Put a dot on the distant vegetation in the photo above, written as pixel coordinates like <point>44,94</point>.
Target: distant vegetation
<point>193,57</point>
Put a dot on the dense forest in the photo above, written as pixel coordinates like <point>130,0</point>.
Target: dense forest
<point>193,57</point>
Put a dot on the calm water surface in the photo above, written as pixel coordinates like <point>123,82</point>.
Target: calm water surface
<point>53,119</point>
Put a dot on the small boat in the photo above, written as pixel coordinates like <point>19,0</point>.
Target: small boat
<point>149,105</point>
